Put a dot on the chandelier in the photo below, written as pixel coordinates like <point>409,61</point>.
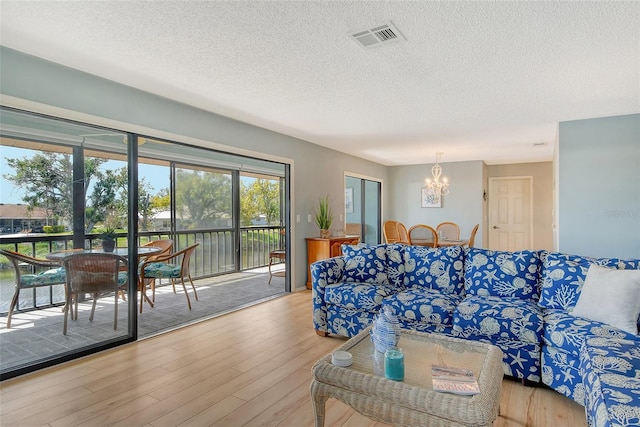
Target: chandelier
<point>434,186</point>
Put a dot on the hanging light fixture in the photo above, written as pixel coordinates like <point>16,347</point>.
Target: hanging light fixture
<point>435,187</point>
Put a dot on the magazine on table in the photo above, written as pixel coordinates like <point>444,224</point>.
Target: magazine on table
<point>454,380</point>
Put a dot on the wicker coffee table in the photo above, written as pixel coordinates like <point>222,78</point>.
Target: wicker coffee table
<point>411,402</point>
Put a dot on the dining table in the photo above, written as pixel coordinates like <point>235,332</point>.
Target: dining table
<point>441,242</point>
<point>142,251</point>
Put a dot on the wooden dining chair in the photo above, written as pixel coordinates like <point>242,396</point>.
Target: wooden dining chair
<point>43,273</point>
<point>97,274</point>
<point>423,235</point>
<point>403,235</point>
<point>472,237</point>
<point>170,266</point>
<point>390,231</point>
<point>448,230</point>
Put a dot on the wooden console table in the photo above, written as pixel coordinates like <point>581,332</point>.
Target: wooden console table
<point>319,248</point>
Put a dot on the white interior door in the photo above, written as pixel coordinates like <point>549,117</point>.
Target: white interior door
<point>510,217</point>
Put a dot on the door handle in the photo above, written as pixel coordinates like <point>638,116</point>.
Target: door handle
<point>495,227</point>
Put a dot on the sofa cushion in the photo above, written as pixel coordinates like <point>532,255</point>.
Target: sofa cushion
<point>365,263</point>
<point>347,322</point>
<point>363,296</point>
<point>502,274</point>
<point>568,333</point>
<point>423,305</point>
<point>611,296</point>
<point>610,370</point>
<point>440,269</point>
<point>395,264</point>
<point>505,318</point>
<point>563,276</point>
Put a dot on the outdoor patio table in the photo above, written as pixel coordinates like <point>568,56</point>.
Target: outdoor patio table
<point>143,251</point>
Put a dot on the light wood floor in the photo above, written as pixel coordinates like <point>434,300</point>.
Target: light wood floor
<point>248,368</point>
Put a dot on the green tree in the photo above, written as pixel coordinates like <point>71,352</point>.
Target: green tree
<point>47,181</point>
<point>202,198</point>
<point>102,200</point>
<point>260,197</point>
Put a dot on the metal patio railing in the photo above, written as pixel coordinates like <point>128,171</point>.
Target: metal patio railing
<point>215,255</point>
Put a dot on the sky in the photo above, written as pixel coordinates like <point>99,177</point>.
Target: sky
<point>156,176</point>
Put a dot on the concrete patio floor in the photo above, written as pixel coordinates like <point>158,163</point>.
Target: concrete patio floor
<point>37,335</point>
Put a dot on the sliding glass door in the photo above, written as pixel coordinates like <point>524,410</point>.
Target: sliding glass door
<point>65,184</point>
<point>363,208</point>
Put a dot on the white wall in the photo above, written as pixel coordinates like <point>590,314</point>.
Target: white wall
<point>34,84</point>
<point>463,205</point>
<point>599,187</point>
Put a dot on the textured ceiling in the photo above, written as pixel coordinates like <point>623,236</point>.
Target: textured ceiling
<point>475,80</point>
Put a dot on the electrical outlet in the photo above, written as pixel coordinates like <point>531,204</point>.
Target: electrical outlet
<point>309,218</point>
<point>298,218</point>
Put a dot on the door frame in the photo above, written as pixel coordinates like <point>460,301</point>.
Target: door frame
<point>491,198</point>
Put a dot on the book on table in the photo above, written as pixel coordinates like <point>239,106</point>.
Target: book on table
<point>448,379</point>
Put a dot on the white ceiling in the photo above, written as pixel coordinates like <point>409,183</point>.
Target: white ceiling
<point>474,80</point>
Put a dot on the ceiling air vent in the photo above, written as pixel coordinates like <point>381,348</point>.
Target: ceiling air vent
<point>382,34</point>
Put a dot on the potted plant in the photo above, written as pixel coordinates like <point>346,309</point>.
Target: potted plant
<point>324,217</point>
<point>108,238</point>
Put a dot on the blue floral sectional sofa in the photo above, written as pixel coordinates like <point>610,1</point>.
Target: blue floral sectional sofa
<point>523,302</point>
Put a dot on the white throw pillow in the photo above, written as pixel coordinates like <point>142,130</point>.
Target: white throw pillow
<point>610,296</point>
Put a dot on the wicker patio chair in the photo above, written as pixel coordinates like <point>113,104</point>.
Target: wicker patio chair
<point>97,274</point>
<point>54,275</point>
<point>423,235</point>
<point>448,230</point>
<point>172,266</point>
<point>165,245</point>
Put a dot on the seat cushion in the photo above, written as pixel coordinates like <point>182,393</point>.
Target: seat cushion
<point>505,318</point>
<point>162,270</point>
<point>55,276</point>
<point>362,296</point>
<point>440,269</point>
<point>568,333</point>
<point>123,278</point>
<point>502,274</point>
<point>422,305</point>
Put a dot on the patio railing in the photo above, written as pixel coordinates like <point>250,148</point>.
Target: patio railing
<point>215,255</point>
